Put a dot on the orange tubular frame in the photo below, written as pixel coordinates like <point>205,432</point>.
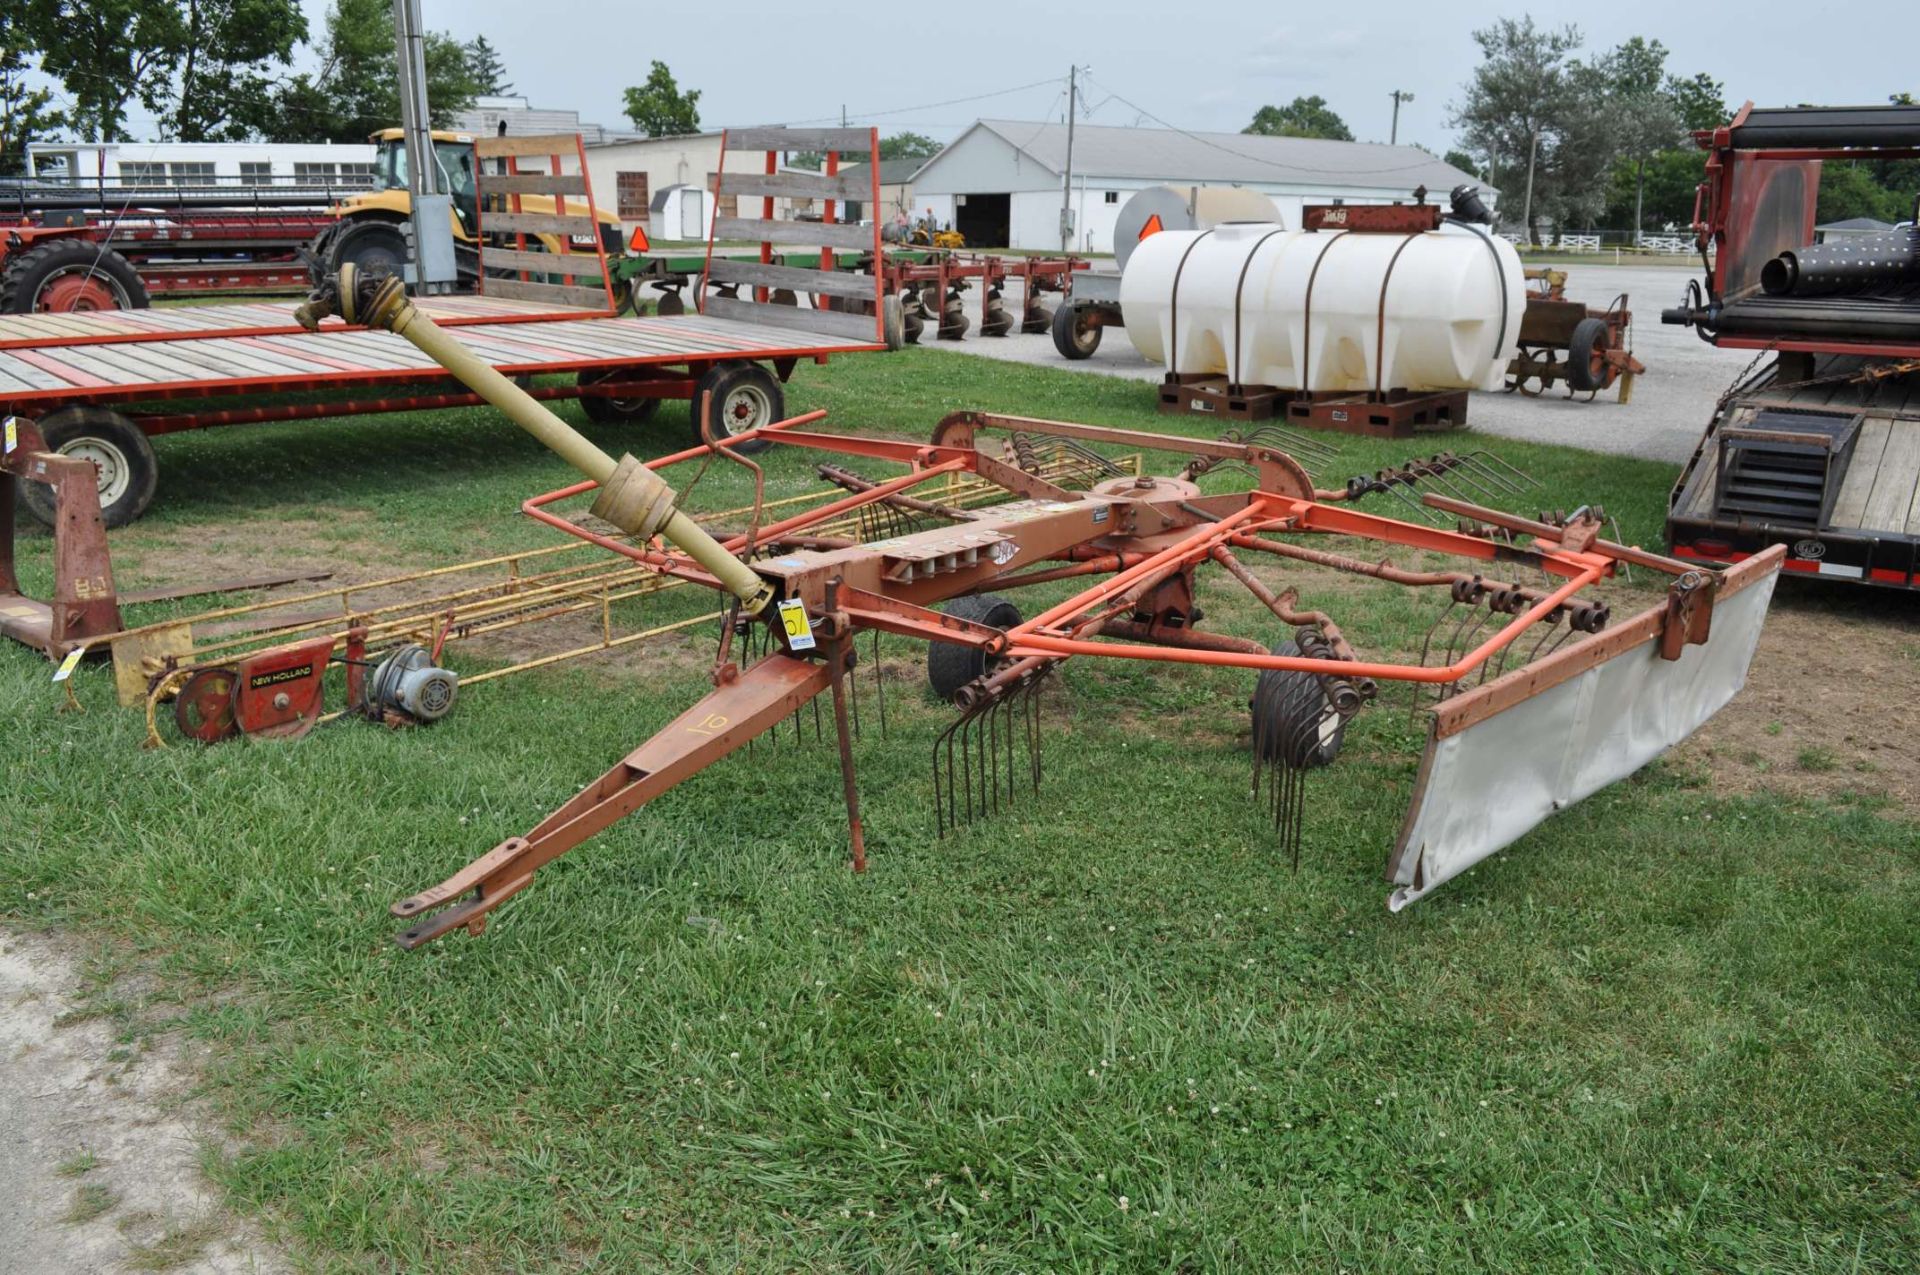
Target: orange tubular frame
<point>1052,635</point>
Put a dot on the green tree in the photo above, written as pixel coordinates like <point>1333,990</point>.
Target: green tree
<point>489,70</point>
<point>1302,117</point>
<point>1520,103</point>
<point>1701,101</point>
<point>1463,161</point>
<point>659,109</point>
<point>1848,189</point>
<point>908,146</point>
<point>203,67</point>
<point>26,112</point>
<point>1646,114</point>
<point>355,92</point>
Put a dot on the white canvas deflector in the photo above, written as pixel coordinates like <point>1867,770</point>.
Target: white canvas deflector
<point>1491,773</point>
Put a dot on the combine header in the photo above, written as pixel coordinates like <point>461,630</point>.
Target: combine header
<point>1539,696</point>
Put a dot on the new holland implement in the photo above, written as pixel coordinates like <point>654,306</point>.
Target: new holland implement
<point>1540,697</point>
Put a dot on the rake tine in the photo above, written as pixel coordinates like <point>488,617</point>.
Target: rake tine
<point>1454,477</point>
<point>1619,538</point>
<point>1472,463</point>
<point>1491,460</point>
<point>1030,709</point>
<point>1458,473</point>
<point>1425,514</point>
<point>994,727</point>
<point>1008,710</point>
<point>981,730</point>
<point>880,683</point>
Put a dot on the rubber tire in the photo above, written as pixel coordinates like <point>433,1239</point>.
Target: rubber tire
<point>1588,339</point>
<point>614,411</point>
<point>374,247</point>
<point>1067,338</point>
<point>951,665</point>
<point>28,271</point>
<point>1295,694</point>
<point>721,382</point>
<point>62,429</point>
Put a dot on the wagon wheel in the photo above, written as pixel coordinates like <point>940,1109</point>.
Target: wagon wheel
<point>1588,370</point>
<point>1538,368</point>
<point>204,708</point>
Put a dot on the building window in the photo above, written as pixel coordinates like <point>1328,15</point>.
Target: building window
<point>195,174</point>
<point>256,172</point>
<point>1113,196</point>
<point>357,173</point>
<point>631,195</point>
<point>141,173</point>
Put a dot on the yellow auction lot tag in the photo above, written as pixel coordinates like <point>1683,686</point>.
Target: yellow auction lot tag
<point>793,617</point>
<point>69,664</point>
<point>13,433</point>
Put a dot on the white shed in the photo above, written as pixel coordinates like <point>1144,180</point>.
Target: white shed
<point>1000,183</point>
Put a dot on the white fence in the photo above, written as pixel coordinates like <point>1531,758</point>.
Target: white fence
<point>1669,245</point>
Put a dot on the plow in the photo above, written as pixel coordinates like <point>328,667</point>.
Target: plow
<point>1536,694</point>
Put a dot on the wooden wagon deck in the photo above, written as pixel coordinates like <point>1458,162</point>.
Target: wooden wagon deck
<point>176,323</point>
<point>102,373</point>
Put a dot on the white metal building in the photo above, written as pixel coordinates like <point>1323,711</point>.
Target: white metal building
<point>204,163</point>
<point>523,119</point>
<point>1000,182</point>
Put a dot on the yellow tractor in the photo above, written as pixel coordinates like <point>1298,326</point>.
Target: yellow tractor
<point>369,230</point>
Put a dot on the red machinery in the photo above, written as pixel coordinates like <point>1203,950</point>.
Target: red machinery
<point>63,252</point>
<point>101,384</point>
<point>933,291</point>
<point>1510,744</point>
<point>1526,720</point>
<point>1819,449</point>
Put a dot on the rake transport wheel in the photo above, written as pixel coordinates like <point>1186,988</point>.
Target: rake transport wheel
<point>1285,706</point>
<point>951,665</point>
<point>1587,368</point>
<point>204,708</point>
<point>62,275</point>
<point>121,456</point>
<point>739,396</point>
<point>603,410</point>
<point>1072,336</point>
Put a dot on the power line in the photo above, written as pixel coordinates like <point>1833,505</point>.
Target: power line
<point>1257,159</point>
<point>929,106</point>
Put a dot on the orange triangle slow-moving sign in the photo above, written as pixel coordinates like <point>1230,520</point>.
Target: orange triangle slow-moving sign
<point>1153,226</point>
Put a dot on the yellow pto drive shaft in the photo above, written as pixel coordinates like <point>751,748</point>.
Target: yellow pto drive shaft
<point>632,497</point>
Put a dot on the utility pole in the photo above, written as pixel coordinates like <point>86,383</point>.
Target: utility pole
<point>1526,209</point>
<point>1393,138</point>
<point>1066,186</point>
<point>431,267</point>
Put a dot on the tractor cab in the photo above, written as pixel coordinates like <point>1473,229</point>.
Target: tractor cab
<point>452,155</point>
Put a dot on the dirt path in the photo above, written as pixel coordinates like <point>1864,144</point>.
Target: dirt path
<point>1822,712</point>
<point>99,1152</point>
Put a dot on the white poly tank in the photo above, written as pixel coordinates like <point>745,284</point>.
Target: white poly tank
<point>1335,310</point>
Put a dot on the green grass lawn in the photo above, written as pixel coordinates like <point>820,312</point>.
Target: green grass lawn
<point>1110,1030</point>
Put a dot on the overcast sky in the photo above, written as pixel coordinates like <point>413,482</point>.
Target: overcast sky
<point>1199,64</point>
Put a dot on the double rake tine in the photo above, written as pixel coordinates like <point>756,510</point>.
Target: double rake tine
<point>984,739</point>
<point>1492,464</point>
